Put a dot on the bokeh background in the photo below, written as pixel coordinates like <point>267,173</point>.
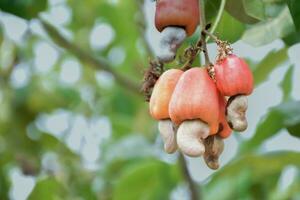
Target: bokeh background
<point>73,124</point>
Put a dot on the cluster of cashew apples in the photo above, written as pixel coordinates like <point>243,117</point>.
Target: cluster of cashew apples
<point>191,106</point>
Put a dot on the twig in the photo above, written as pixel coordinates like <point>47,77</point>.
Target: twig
<point>203,35</point>
<point>191,184</point>
<point>209,34</point>
<point>192,53</point>
<point>218,18</point>
<point>97,63</point>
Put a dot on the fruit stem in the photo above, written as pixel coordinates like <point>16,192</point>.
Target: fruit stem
<point>218,18</point>
<point>212,36</point>
<point>203,34</point>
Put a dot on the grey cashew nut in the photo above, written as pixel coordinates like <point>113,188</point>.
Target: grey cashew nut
<point>190,137</point>
<point>171,39</point>
<point>168,134</point>
<point>236,113</point>
<point>214,147</point>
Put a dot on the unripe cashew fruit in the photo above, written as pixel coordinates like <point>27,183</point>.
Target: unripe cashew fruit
<point>195,98</point>
<point>224,128</point>
<point>236,112</point>
<point>168,134</point>
<point>170,41</point>
<point>190,136</point>
<point>214,147</point>
<point>233,76</point>
<point>159,106</point>
<point>180,13</point>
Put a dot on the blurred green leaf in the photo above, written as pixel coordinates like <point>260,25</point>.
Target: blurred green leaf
<point>259,165</point>
<point>48,189</point>
<point>291,116</point>
<point>225,27</point>
<point>255,9</point>
<point>274,59</point>
<point>26,9</point>
<point>237,9</point>
<point>271,124</point>
<point>252,168</point>
<point>292,38</point>
<point>148,180</point>
<point>1,35</point>
<point>294,7</point>
<point>287,83</point>
<point>285,115</point>
<point>211,9</point>
<point>271,29</point>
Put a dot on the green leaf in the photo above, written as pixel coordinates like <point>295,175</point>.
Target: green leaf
<point>211,9</point>
<point>254,168</point>
<point>269,126</point>
<point>225,27</point>
<point>27,9</point>
<point>287,83</point>
<point>47,189</point>
<point>237,9</point>
<point>1,35</point>
<point>292,38</point>
<point>255,9</point>
<point>291,116</point>
<point>267,31</point>
<point>285,115</point>
<point>294,7</point>
<point>268,64</point>
<point>147,180</point>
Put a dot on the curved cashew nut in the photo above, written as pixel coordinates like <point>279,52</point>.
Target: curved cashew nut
<point>168,134</point>
<point>236,113</point>
<point>190,137</point>
<point>214,147</point>
<point>171,39</point>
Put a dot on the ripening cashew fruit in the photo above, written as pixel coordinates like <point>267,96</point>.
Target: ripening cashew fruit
<point>194,107</point>
<point>175,19</point>
<point>159,107</point>
<point>224,128</point>
<point>214,147</point>
<point>234,78</point>
<point>178,13</point>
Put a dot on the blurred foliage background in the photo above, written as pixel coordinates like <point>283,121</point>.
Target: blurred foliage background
<point>73,124</point>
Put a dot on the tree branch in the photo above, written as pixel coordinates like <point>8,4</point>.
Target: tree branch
<point>191,184</point>
<point>97,63</point>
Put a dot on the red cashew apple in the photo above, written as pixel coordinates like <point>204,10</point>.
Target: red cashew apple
<point>194,107</point>
<point>179,13</point>
<point>234,78</point>
<point>159,107</point>
<point>175,19</point>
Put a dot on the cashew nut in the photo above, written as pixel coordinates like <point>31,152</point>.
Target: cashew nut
<point>236,113</point>
<point>171,39</point>
<point>168,134</point>
<point>190,137</point>
<point>214,147</point>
